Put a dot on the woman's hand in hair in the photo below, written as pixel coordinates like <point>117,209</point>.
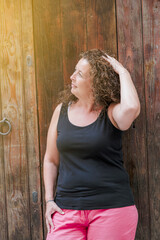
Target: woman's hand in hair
<point>117,66</point>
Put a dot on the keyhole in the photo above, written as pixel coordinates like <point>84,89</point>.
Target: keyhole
<point>29,61</point>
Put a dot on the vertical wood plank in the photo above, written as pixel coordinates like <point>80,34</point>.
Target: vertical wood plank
<point>101,25</point>
<point>73,14</point>
<point>3,206</point>
<point>49,65</point>
<point>16,167</point>
<point>151,38</point>
<point>31,121</point>
<point>130,51</point>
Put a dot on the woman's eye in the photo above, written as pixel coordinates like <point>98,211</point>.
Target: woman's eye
<point>78,73</point>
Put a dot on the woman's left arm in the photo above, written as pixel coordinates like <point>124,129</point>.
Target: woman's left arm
<point>125,112</point>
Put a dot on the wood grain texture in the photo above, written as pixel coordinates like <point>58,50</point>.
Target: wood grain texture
<point>39,49</point>
<point>15,155</point>
<point>73,17</point>
<point>101,25</point>
<point>49,65</point>
<point>3,206</point>
<point>130,52</point>
<point>151,39</point>
<point>31,121</point>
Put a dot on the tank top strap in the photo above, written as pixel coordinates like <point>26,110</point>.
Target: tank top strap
<point>62,116</point>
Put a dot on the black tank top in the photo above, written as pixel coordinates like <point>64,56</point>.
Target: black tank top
<point>91,172</point>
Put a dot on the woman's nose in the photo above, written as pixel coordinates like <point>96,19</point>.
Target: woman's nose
<point>72,77</point>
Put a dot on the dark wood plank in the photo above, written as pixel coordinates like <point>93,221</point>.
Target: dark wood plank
<point>49,65</point>
<point>130,52</point>
<point>31,122</point>
<point>15,155</point>
<point>73,15</point>
<point>151,39</point>
<point>101,25</point>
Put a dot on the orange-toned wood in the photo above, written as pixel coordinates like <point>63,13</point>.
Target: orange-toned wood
<point>49,64</point>
<point>101,25</point>
<point>15,154</point>
<point>31,122</point>
<point>130,52</point>
<point>73,17</point>
<point>21,215</point>
<point>151,40</point>
<point>3,206</point>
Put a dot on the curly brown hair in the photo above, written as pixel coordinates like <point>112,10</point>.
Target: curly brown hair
<point>106,83</point>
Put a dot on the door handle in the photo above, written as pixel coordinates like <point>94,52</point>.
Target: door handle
<point>5,121</point>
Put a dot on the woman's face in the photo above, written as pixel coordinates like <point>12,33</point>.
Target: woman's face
<point>81,79</point>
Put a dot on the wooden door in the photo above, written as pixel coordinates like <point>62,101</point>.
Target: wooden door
<point>20,183</point>
<point>40,42</point>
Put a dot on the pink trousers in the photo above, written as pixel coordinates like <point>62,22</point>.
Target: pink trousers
<point>98,224</point>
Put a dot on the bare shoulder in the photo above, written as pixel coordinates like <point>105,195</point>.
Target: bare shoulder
<point>55,115</point>
<point>110,109</point>
<point>58,108</point>
<point>51,154</point>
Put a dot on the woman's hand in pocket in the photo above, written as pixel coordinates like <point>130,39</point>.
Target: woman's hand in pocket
<point>51,208</point>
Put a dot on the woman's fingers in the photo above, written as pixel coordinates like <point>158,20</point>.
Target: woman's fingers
<point>111,60</point>
<point>117,66</point>
<point>50,222</point>
<point>48,227</point>
<point>106,57</point>
<point>59,210</point>
<point>52,207</point>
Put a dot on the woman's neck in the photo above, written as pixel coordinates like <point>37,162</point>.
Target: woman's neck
<point>87,106</point>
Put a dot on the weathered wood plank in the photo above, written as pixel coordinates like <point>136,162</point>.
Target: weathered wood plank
<point>31,121</point>
<point>3,206</point>
<point>15,156</point>
<point>49,64</point>
<point>73,14</point>
<point>151,39</point>
<point>130,52</point>
<point>101,25</point>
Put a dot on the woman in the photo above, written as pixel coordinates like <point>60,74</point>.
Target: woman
<point>93,199</point>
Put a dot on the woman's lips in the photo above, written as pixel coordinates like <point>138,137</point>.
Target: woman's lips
<point>74,86</point>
